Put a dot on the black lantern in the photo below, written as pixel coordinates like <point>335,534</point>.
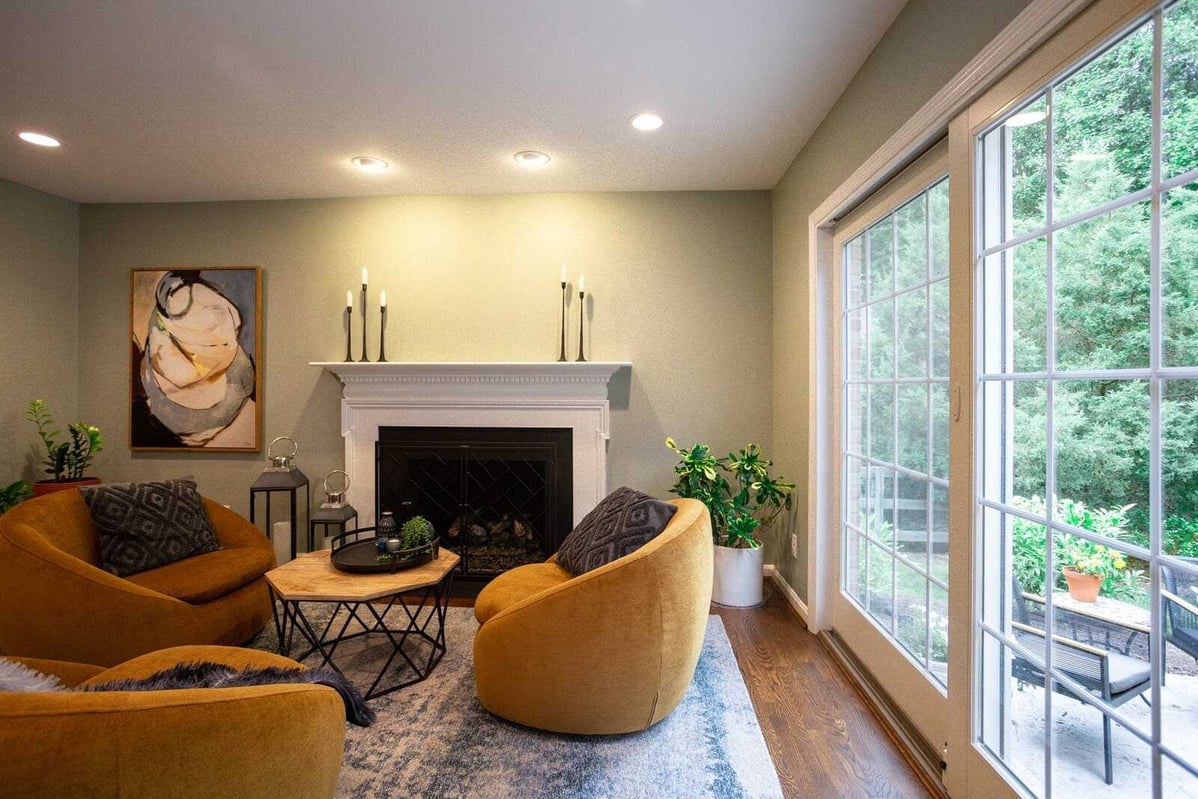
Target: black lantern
<point>334,511</point>
<point>280,476</point>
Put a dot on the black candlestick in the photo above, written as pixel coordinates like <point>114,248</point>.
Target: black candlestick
<point>349,314</point>
<point>582,303</point>
<point>383,336</point>
<point>562,357</point>
<point>364,359</point>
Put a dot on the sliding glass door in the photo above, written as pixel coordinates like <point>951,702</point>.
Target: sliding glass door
<point>892,604</point>
<point>1085,235</point>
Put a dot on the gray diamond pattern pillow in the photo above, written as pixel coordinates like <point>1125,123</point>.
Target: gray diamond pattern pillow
<point>622,523</point>
<point>146,525</point>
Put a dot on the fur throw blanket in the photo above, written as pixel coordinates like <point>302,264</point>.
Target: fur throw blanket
<point>202,675</point>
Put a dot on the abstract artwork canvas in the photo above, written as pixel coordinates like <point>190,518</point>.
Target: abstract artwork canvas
<point>194,377</point>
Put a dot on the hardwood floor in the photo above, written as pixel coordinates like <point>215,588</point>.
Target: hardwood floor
<point>824,739</point>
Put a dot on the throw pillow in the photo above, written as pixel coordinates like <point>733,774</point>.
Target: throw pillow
<point>16,676</point>
<point>622,523</point>
<point>146,525</point>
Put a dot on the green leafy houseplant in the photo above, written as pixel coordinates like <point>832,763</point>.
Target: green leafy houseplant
<point>739,508</point>
<point>69,459</point>
<point>13,494</point>
<point>416,532</point>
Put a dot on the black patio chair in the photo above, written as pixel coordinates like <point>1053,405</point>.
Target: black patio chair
<point>1181,608</point>
<point>1115,677</point>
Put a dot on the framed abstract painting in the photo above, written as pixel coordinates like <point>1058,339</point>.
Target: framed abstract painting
<point>195,342</point>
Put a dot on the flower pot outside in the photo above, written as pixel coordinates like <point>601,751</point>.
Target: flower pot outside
<point>43,487</point>
<point>738,575</point>
<point>1082,587</point>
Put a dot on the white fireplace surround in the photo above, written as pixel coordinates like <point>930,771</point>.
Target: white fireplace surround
<point>563,395</point>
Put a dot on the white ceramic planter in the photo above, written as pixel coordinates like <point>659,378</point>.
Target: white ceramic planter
<point>737,580</point>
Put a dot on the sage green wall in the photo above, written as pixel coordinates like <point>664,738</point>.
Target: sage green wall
<point>39,301</point>
<point>680,286</point>
<point>929,42</point>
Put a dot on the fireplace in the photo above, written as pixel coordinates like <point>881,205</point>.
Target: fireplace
<point>499,497</point>
<point>569,398</point>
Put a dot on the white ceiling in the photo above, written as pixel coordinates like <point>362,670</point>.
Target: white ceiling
<point>251,99</point>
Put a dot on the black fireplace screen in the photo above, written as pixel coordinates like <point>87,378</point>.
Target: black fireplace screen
<point>499,497</point>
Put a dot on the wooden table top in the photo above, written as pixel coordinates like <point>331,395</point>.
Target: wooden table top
<point>313,578</point>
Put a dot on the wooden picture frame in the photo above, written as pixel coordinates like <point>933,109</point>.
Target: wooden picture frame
<point>195,372</point>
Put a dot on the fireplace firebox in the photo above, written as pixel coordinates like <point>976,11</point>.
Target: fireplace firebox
<point>499,497</point>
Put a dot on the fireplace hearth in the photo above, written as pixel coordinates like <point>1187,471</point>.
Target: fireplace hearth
<point>499,497</point>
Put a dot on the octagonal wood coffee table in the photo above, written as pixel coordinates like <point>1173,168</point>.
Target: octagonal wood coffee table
<point>422,593</point>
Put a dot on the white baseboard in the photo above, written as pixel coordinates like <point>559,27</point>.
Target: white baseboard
<point>770,571</point>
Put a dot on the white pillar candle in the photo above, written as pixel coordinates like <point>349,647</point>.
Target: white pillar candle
<point>363,276</point>
<point>582,283</point>
<point>563,273</point>
<point>349,299</point>
<point>383,299</point>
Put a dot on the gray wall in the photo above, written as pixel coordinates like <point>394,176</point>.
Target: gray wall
<point>680,285</point>
<point>927,44</point>
<point>39,305</point>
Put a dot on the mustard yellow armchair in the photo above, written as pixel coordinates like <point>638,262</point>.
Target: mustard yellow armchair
<point>259,742</point>
<point>610,651</point>
<point>56,602</point>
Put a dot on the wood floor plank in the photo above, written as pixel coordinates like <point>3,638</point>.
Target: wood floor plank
<point>823,738</point>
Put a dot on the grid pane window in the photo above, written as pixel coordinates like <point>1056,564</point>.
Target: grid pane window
<point>1087,337</point>
<point>895,400</point>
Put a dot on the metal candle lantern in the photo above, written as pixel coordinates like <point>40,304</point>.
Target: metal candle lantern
<point>280,476</point>
<point>334,511</point>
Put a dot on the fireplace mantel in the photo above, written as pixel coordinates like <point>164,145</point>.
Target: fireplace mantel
<point>518,394</point>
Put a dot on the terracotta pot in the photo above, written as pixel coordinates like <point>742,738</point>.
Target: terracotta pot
<point>1082,587</point>
<point>43,487</point>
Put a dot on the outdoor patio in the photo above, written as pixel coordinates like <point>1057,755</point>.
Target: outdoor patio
<point>1077,740</point>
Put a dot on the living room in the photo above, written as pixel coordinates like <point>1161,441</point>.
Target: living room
<point>696,259</point>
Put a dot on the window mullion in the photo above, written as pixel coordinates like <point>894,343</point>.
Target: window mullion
<point>1050,470</point>
<point>1156,398</point>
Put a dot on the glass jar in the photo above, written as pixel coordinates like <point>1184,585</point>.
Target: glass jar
<point>387,529</point>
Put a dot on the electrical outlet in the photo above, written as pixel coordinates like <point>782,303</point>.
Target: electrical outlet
<point>794,546</point>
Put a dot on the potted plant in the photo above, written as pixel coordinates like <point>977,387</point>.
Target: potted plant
<point>1089,565</point>
<point>13,494</point>
<point>739,508</point>
<point>67,461</point>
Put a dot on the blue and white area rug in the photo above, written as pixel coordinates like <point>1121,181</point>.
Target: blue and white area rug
<point>434,739</point>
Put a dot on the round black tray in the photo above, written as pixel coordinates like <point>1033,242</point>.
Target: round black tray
<point>363,556</point>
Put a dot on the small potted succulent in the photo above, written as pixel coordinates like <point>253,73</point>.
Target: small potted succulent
<point>66,461</point>
<point>739,509</point>
<point>417,533</point>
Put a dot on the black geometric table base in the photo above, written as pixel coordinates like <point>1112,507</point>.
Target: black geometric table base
<point>425,622</point>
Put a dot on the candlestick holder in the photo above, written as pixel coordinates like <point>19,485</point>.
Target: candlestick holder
<point>349,318</point>
<point>383,335</point>
<point>582,304</point>
<point>565,295</point>
<point>364,359</point>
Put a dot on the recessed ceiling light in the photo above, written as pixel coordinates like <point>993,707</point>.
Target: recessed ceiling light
<point>1024,118</point>
<point>645,121</point>
<point>531,158</point>
<point>368,163</point>
<point>40,139</point>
